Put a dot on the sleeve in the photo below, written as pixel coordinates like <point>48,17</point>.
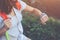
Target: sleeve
<point>23,4</point>
<point>1,22</point>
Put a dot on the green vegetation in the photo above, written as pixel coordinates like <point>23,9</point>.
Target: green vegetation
<point>36,31</point>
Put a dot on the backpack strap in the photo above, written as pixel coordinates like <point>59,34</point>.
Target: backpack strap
<point>7,36</point>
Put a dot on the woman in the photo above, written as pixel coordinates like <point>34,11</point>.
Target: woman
<point>13,9</point>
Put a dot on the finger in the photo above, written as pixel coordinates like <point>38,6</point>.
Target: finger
<point>7,23</point>
<point>43,23</point>
<point>44,20</point>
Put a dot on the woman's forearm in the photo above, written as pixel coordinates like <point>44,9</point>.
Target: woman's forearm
<point>36,12</point>
<point>33,10</point>
<point>3,30</point>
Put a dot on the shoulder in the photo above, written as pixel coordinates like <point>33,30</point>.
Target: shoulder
<point>23,4</point>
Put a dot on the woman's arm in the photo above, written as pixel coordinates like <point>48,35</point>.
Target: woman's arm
<point>37,12</point>
<point>33,10</point>
<point>3,30</point>
<point>7,25</point>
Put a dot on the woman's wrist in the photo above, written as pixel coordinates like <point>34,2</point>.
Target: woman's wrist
<point>5,28</point>
<point>43,15</point>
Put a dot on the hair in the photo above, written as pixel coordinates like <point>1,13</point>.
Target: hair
<point>5,6</point>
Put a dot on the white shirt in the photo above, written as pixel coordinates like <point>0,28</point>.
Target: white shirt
<point>16,27</point>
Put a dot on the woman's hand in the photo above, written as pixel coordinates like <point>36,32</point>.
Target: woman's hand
<point>6,26</point>
<point>7,23</point>
<point>44,19</point>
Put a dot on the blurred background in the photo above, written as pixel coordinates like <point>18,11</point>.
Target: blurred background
<point>51,7</point>
<point>32,26</point>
